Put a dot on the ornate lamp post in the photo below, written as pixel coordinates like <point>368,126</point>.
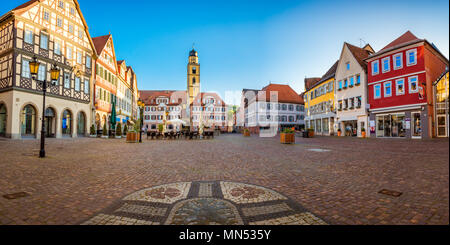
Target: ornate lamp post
<point>141,105</point>
<point>54,75</point>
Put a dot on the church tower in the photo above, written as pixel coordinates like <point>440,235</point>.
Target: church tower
<point>193,76</point>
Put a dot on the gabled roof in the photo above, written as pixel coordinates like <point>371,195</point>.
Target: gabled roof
<point>119,62</point>
<point>100,42</point>
<point>360,54</point>
<point>202,95</point>
<point>149,96</point>
<point>330,73</point>
<point>285,94</point>
<point>31,3</point>
<point>404,40</point>
<point>311,82</point>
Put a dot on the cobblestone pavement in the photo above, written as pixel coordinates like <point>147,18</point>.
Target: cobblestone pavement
<point>81,178</point>
<point>206,203</point>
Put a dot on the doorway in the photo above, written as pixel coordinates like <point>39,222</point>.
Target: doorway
<point>416,127</point>
<point>49,123</point>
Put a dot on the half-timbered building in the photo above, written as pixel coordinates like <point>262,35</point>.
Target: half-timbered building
<point>105,80</point>
<point>55,32</point>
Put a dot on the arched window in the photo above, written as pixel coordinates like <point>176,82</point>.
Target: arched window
<point>81,124</point>
<point>194,70</point>
<point>2,120</point>
<point>67,123</point>
<point>28,121</point>
<point>193,80</point>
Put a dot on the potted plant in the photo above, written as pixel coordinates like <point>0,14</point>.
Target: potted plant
<point>118,131</point>
<point>133,134</point>
<point>93,133</point>
<point>310,133</point>
<point>339,132</point>
<point>287,136</point>
<point>105,132</point>
<point>246,132</point>
<point>363,132</point>
<point>160,127</point>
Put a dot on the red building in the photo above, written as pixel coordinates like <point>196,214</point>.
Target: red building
<point>400,80</point>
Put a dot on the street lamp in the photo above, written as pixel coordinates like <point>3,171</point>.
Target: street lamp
<point>141,105</point>
<point>54,75</point>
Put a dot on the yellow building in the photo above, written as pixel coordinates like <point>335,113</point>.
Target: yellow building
<point>441,90</point>
<point>319,103</point>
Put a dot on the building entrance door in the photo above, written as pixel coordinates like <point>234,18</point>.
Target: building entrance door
<point>416,127</point>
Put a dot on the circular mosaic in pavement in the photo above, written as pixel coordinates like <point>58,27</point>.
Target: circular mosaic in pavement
<point>205,203</point>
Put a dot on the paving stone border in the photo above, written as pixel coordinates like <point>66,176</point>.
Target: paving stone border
<point>205,203</point>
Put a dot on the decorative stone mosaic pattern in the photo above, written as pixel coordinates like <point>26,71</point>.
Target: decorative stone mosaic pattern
<point>162,194</point>
<point>205,190</point>
<point>244,193</point>
<point>204,211</point>
<point>205,203</point>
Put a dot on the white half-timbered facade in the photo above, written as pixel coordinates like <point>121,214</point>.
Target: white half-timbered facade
<point>56,33</point>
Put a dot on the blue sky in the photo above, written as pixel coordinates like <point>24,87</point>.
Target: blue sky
<point>247,44</point>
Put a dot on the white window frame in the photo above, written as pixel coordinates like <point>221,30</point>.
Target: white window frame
<point>389,64</point>
<point>46,15</point>
<point>378,67</point>
<point>77,85</point>
<point>375,87</point>
<point>394,61</point>
<point>59,22</point>
<point>57,47</point>
<point>42,72</point>
<point>46,43</point>
<point>417,85</point>
<point>415,57</point>
<point>385,84</point>
<point>79,57</point>
<point>69,55</point>
<point>396,86</point>
<point>86,86</point>
<point>25,72</point>
<point>32,36</point>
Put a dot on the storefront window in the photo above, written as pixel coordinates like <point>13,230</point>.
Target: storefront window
<point>318,126</point>
<point>67,123</point>
<point>325,124</point>
<point>392,125</point>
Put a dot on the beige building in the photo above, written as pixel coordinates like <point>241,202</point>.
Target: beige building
<point>56,33</point>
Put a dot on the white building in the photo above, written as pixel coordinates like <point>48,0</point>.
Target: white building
<point>351,90</point>
<point>276,105</point>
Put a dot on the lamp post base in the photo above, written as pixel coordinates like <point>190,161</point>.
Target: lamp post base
<point>42,153</point>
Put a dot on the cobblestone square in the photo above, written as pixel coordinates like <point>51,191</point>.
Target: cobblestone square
<point>83,178</point>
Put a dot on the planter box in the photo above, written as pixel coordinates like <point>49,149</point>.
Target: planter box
<point>287,138</point>
<point>93,136</point>
<point>310,134</point>
<point>118,137</point>
<point>132,137</point>
<point>247,134</point>
<point>105,137</point>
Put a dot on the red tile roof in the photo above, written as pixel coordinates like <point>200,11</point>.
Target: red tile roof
<point>100,42</point>
<point>285,94</point>
<point>407,37</point>
<point>25,4</point>
<point>311,82</point>
<point>200,97</point>
<point>360,54</point>
<point>149,96</point>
